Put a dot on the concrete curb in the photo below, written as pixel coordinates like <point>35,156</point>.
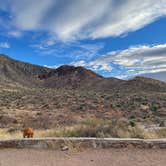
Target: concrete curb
<point>58,143</point>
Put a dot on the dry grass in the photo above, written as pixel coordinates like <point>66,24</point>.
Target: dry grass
<point>4,134</point>
<point>93,128</point>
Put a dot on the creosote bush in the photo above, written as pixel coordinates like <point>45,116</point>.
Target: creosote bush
<point>94,127</point>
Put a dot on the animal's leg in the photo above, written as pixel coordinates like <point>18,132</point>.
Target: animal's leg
<point>31,135</point>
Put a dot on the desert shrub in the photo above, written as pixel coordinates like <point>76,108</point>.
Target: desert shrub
<point>1,116</point>
<point>154,108</point>
<point>97,128</point>
<point>39,113</point>
<point>59,106</point>
<point>132,117</point>
<point>132,123</point>
<point>93,127</point>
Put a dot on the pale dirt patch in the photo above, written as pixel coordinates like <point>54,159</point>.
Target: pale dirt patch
<point>89,157</point>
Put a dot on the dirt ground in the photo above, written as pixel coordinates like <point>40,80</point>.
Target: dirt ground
<point>102,157</point>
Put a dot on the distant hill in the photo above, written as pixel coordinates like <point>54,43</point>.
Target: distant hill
<point>159,76</point>
<point>44,97</point>
<point>26,74</point>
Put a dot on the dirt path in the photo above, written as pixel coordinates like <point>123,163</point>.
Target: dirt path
<point>109,157</point>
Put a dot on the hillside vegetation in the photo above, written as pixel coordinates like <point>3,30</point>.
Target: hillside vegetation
<point>44,98</point>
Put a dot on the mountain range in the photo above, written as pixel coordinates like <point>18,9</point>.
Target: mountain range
<point>44,97</point>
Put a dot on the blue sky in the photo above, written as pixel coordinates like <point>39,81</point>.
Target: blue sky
<point>115,38</point>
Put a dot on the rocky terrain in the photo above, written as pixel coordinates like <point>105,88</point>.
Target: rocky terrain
<point>43,98</point>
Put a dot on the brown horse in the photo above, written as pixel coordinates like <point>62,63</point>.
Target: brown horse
<point>28,132</point>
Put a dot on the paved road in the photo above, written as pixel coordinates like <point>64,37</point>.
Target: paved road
<point>107,157</point>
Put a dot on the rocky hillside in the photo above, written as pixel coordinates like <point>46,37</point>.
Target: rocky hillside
<point>69,77</point>
<point>41,97</point>
<point>15,72</point>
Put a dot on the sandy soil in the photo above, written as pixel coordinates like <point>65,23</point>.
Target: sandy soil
<point>108,157</point>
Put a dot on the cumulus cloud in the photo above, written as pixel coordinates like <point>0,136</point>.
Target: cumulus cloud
<point>72,20</point>
<point>96,65</point>
<point>75,19</point>
<point>133,61</point>
<point>143,59</point>
<point>4,45</point>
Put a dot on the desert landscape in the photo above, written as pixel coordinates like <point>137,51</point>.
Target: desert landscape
<point>76,102</point>
<point>82,83</point>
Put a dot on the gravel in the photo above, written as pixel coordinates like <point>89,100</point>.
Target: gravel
<point>88,157</point>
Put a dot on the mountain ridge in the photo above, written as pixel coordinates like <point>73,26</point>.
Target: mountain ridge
<point>32,95</point>
<point>73,76</point>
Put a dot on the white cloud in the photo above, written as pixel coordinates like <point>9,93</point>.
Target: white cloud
<point>28,14</point>
<point>53,67</point>
<point>94,65</point>
<point>143,59</point>
<point>71,50</point>
<point>91,65</point>
<point>78,14</point>
<point>133,61</point>
<point>4,45</point>
<point>15,34</point>
<point>129,15</point>
<point>75,19</point>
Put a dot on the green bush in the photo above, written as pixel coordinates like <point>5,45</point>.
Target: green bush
<point>154,108</point>
<point>132,117</point>
<point>132,123</point>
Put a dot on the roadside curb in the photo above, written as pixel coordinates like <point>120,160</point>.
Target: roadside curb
<point>57,143</point>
